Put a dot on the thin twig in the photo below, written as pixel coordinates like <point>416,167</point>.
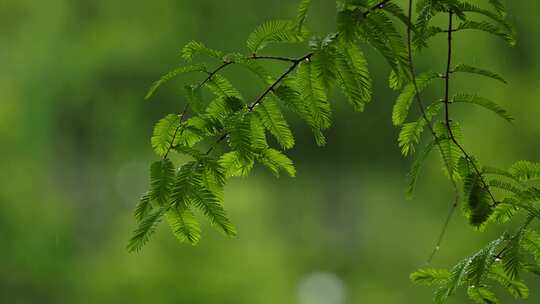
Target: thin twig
<point>447,110</point>
<point>214,72</point>
<point>436,139</point>
<point>181,117</point>
<point>261,97</point>
<point>295,63</point>
<point>278,58</point>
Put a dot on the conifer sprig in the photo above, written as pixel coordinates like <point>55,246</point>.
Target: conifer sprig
<point>487,195</point>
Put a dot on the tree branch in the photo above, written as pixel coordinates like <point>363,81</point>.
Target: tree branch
<point>421,107</point>
<point>447,110</point>
<point>295,63</point>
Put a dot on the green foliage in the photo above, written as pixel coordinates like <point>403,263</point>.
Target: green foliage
<point>147,226</point>
<point>161,181</point>
<point>271,117</point>
<point>143,207</point>
<point>184,225</point>
<point>196,48</point>
<point>473,70</point>
<point>430,276</point>
<point>165,133</point>
<point>405,99</point>
<point>235,165</point>
<point>525,170</point>
<point>313,94</point>
<point>482,295</point>
<point>483,102</point>
<point>336,60</point>
<point>450,153</point>
<point>456,278</point>
<point>478,205</point>
<point>411,133</point>
<point>516,288</point>
<point>275,31</point>
<point>276,162</point>
<point>488,28</point>
<point>353,75</point>
<point>171,75</point>
<point>303,9</point>
<point>222,88</point>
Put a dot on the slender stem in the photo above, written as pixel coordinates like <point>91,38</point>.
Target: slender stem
<point>181,117</point>
<point>295,63</point>
<point>447,110</point>
<point>447,74</point>
<point>214,72</point>
<point>420,106</point>
<point>277,58</point>
<point>444,229</point>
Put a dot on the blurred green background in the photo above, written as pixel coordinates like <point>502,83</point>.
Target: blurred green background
<point>75,153</point>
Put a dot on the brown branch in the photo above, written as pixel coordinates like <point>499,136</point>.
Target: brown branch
<point>421,107</point>
<point>214,72</point>
<point>295,63</point>
<point>447,110</point>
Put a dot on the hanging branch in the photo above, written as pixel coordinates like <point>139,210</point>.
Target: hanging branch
<point>436,139</point>
<point>337,61</point>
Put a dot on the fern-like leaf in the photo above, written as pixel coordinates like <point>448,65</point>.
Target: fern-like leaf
<point>184,225</point>
<point>411,133</point>
<point>302,13</point>
<point>488,28</point>
<point>463,68</point>
<point>482,295</point>
<point>525,170</point>
<point>147,227</point>
<point>235,165</point>
<point>482,262</point>
<point>161,181</point>
<point>165,132</point>
<point>221,87</point>
<point>314,98</point>
<point>240,135</point>
<point>143,207</point>
<point>274,31</point>
<point>512,256</point>
<point>485,103</point>
<point>276,162</point>
<point>498,5</point>
<point>456,279</point>
<point>531,243</point>
<point>273,120</point>
<point>405,99</point>
<point>450,152</point>
<point>353,75</point>
<point>172,74</point>
<point>379,31</point>
<point>430,276</point>
<point>478,204</point>
<point>196,48</point>
<point>515,287</point>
